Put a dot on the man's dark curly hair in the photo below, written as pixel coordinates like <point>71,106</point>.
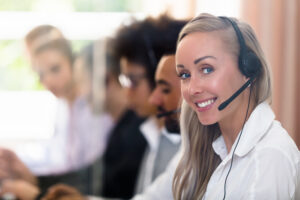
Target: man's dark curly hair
<point>145,42</point>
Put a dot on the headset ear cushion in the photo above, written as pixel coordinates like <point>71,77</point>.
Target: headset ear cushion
<point>250,64</point>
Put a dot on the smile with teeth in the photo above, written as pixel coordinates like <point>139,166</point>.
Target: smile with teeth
<point>205,103</point>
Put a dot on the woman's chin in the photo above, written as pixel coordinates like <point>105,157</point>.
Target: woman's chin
<point>206,121</point>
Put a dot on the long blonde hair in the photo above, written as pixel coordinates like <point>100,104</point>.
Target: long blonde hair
<point>199,159</point>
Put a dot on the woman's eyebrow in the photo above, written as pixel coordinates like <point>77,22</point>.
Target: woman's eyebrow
<point>202,58</point>
<point>180,66</point>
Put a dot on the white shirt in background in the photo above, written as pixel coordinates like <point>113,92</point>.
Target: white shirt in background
<point>80,137</point>
<point>161,188</point>
<point>151,132</point>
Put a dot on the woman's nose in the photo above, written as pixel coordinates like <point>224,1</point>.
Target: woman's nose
<point>195,86</point>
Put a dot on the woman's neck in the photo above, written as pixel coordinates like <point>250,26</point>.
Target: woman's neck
<point>71,94</point>
<point>233,124</point>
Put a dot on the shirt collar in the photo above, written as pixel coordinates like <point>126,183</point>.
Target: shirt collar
<point>255,128</point>
<point>220,147</point>
<point>151,132</point>
<point>173,137</point>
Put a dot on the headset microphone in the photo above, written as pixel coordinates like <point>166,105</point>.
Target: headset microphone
<point>164,114</point>
<point>250,66</point>
<point>237,93</point>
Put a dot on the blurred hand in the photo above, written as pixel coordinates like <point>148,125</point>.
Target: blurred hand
<point>63,192</point>
<point>20,188</point>
<point>13,168</point>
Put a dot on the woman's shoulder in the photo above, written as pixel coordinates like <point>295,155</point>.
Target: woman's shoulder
<point>278,140</point>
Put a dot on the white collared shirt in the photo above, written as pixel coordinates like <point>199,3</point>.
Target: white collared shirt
<point>175,138</point>
<point>161,188</point>
<point>266,162</point>
<point>152,133</point>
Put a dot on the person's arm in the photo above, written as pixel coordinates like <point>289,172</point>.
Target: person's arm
<point>101,198</point>
<point>20,188</point>
<point>13,168</point>
<point>63,192</point>
<point>26,191</point>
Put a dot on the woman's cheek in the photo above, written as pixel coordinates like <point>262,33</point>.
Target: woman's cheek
<point>185,94</point>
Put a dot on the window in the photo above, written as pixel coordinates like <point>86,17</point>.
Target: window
<point>27,110</point>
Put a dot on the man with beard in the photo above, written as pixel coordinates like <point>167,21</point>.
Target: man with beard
<point>167,97</point>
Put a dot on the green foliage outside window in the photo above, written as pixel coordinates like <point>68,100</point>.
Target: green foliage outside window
<point>15,70</point>
<point>75,5</point>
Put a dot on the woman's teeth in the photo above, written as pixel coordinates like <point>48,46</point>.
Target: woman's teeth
<point>205,103</point>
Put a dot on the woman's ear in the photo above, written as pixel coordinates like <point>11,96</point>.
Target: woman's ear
<point>245,78</point>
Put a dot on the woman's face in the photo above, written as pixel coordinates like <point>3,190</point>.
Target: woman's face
<point>139,90</point>
<point>209,75</point>
<point>55,71</point>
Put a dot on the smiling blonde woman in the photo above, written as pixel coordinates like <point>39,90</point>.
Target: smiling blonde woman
<point>239,151</point>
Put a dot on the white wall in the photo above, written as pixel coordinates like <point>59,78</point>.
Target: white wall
<point>230,8</point>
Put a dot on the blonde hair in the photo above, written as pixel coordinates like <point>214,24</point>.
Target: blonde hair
<point>40,35</point>
<point>61,45</point>
<point>199,159</point>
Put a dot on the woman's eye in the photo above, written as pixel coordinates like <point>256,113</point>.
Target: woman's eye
<point>55,69</point>
<point>184,75</point>
<point>207,70</point>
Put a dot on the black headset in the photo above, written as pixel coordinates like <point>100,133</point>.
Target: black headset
<point>249,64</point>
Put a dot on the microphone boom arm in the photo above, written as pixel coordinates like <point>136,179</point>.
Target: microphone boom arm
<point>228,101</point>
